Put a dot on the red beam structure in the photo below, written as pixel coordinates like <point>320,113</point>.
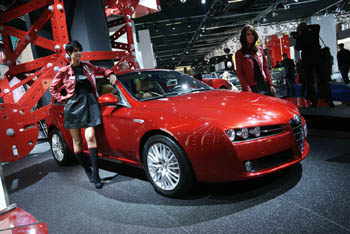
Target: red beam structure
<point>19,120</point>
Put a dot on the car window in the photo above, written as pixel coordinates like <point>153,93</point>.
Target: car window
<point>146,85</point>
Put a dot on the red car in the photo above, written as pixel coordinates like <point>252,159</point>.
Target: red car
<point>182,131</point>
<point>217,83</point>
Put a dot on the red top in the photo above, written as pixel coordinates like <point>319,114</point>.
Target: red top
<point>65,78</point>
<point>245,68</point>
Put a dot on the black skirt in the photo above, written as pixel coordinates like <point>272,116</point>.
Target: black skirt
<point>82,111</point>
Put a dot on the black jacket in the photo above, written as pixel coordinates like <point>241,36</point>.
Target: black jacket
<point>308,42</point>
<point>289,66</point>
<point>343,57</point>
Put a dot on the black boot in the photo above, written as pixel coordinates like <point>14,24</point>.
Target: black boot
<point>95,175</point>
<point>83,161</point>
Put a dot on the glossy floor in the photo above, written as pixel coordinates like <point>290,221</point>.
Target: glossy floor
<point>311,197</point>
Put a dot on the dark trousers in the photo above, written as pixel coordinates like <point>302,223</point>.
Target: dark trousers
<point>290,80</point>
<point>310,68</point>
<point>344,71</point>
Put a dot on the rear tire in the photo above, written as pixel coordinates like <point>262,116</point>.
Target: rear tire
<point>167,166</point>
<point>60,152</point>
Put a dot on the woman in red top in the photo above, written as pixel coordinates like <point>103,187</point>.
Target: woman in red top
<point>252,68</point>
<point>81,109</point>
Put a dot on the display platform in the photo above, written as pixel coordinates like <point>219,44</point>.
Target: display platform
<point>311,197</point>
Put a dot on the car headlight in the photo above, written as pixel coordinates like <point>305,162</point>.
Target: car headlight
<point>255,131</point>
<point>243,133</point>
<point>231,134</point>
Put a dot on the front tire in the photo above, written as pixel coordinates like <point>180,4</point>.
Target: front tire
<point>167,167</point>
<point>60,152</point>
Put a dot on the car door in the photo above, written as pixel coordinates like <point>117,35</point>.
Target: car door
<point>113,138</point>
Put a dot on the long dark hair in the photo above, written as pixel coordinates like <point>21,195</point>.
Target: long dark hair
<point>243,39</point>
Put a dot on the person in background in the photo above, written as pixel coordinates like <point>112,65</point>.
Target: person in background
<point>277,65</point>
<point>300,72</point>
<point>324,87</point>
<point>343,57</point>
<point>307,40</point>
<point>289,68</point>
<point>81,109</point>
<point>251,64</point>
<point>124,66</point>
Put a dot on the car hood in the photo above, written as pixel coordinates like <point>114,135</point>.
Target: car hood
<point>226,108</point>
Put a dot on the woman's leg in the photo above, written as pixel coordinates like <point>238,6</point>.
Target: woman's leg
<point>76,136</point>
<point>78,151</point>
<point>92,145</point>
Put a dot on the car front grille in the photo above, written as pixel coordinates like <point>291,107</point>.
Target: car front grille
<point>272,160</point>
<point>270,130</point>
<point>298,131</point>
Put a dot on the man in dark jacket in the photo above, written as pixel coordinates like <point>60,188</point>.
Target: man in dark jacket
<point>289,69</point>
<point>307,40</point>
<point>343,58</point>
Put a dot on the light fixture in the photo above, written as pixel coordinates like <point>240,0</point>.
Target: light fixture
<point>233,1</point>
<point>173,28</point>
<point>274,14</point>
<point>203,1</point>
<point>183,1</point>
<point>188,25</point>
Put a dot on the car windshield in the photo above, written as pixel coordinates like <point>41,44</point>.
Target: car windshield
<point>146,85</point>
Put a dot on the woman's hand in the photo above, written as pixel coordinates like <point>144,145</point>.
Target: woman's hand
<point>112,78</point>
<point>273,91</point>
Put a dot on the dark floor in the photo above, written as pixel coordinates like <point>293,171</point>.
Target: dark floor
<point>311,197</point>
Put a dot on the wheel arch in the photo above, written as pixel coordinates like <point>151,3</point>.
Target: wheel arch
<point>151,133</point>
<point>69,143</point>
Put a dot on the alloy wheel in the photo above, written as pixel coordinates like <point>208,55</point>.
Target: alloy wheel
<point>163,166</point>
<point>57,147</point>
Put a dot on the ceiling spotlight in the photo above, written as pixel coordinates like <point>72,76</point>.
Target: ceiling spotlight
<point>188,25</point>
<point>183,1</point>
<point>173,58</point>
<point>173,27</point>
<point>156,29</point>
<point>274,14</point>
<point>296,0</point>
<point>286,6</point>
<point>203,1</point>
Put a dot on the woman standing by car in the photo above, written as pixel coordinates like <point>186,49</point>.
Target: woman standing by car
<point>252,68</point>
<point>81,109</point>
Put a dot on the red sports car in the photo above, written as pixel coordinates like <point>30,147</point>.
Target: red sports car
<point>182,131</point>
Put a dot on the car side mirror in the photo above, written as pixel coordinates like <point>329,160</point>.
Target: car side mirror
<point>108,99</point>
